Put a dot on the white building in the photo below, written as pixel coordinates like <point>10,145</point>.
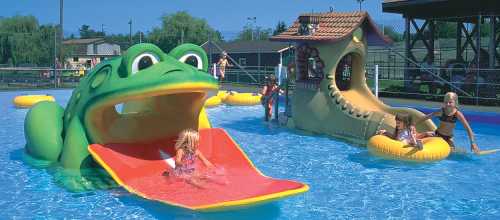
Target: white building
<point>87,53</point>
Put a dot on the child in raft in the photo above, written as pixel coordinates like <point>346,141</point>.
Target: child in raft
<point>448,116</point>
<point>185,159</point>
<point>404,131</point>
<point>269,92</point>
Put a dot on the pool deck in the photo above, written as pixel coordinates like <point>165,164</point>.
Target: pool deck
<point>386,100</point>
<point>431,104</point>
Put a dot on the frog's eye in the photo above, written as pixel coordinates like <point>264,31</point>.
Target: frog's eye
<point>143,61</point>
<point>192,55</point>
<point>193,60</point>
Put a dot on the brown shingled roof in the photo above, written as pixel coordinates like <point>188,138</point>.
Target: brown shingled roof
<point>334,26</point>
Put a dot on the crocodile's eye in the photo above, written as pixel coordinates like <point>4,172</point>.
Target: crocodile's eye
<point>144,61</point>
<point>193,60</point>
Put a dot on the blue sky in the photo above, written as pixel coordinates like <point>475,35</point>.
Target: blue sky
<point>226,16</point>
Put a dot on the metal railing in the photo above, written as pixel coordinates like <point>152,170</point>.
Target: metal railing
<point>474,86</point>
<point>253,75</point>
<point>39,77</point>
<point>482,85</point>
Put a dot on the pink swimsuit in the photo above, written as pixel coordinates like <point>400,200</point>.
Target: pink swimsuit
<point>188,165</point>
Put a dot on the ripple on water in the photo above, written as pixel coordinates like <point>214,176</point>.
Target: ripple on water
<point>346,182</point>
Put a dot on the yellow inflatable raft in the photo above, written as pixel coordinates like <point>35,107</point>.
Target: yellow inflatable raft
<point>243,99</point>
<point>222,94</point>
<point>213,101</point>
<point>435,148</point>
<point>26,101</point>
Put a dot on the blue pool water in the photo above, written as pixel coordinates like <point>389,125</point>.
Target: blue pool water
<point>345,181</point>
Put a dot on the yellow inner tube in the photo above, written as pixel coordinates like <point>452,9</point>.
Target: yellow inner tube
<point>243,99</point>
<point>26,101</point>
<point>222,94</point>
<point>435,148</point>
<point>213,101</point>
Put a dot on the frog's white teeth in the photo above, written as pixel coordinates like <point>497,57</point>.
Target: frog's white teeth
<point>131,108</point>
<point>119,108</point>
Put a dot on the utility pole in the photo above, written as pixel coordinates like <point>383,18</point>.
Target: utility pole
<point>360,2</point>
<point>102,29</point>
<point>130,33</point>
<point>55,57</point>
<point>61,38</point>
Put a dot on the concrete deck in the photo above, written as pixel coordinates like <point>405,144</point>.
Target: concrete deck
<point>388,101</point>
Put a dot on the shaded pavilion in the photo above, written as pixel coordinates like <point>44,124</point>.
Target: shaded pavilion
<point>461,12</point>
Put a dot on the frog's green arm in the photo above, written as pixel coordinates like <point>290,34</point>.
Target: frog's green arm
<point>75,151</point>
<point>43,129</point>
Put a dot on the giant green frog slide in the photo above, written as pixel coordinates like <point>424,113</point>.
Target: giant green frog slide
<point>125,115</point>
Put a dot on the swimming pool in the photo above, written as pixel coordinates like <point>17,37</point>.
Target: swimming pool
<point>345,181</point>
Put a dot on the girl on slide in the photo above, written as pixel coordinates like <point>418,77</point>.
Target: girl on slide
<point>185,159</point>
<point>448,116</point>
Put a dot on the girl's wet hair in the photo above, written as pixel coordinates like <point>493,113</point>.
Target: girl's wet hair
<point>188,140</point>
<point>405,118</point>
<point>451,96</point>
<point>271,78</point>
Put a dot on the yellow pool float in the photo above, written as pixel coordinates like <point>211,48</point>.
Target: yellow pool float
<point>435,148</point>
<point>222,94</point>
<point>26,101</point>
<point>243,99</point>
<point>213,101</point>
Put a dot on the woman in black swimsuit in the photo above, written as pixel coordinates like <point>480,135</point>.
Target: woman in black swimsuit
<point>448,117</point>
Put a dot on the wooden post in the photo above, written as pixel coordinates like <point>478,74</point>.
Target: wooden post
<point>459,41</point>
<point>492,44</point>
<point>407,52</point>
<point>430,50</point>
<point>478,55</point>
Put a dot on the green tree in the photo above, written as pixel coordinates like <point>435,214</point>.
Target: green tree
<point>445,29</point>
<point>280,27</point>
<point>23,41</point>
<point>180,28</point>
<point>391,33</point>
<point>87,32</point>
<point>257,33</point>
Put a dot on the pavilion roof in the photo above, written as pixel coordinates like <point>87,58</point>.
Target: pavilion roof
<point>453,10</point>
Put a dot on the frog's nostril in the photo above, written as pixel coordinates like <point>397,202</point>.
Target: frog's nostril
<point>171,71</point>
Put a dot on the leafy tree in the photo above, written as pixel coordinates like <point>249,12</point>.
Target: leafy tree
<point>87,32</point>
<point>445,29</point>
<point>180,28</point>
<point>390,32</point>
<point>23,41</point>
<point>257,33</point>
<point>280,27</point>
<point>449,29</point>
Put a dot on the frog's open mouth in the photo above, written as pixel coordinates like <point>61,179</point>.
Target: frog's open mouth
<point>146,115</point>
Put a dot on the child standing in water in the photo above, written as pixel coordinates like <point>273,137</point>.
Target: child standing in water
<point>269,93</point>
<point>404,131</point>
<point>448,116</point>
<point>223,63</point>
<point>185,158</point>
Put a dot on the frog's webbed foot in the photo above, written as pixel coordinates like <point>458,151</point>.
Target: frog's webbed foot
<point>43,128</point>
